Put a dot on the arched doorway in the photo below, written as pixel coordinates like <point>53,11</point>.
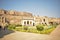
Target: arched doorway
<point>0,27</point>
<point>33,24</point>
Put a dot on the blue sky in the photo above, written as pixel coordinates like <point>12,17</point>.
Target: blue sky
<point>50,8</point>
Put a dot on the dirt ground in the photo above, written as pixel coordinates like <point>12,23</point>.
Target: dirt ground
<point>14,35</point>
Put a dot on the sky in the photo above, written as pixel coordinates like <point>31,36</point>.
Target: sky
<point>50,8</point>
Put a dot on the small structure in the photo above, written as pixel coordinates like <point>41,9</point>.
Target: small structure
<point>28,21</point>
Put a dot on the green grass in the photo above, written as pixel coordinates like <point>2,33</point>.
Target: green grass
<point>46,29</point>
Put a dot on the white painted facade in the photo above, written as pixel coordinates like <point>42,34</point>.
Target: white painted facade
<point>28,22</point>
<point>34,21</point>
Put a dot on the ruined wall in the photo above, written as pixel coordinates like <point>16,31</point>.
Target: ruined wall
<point>15,17</point>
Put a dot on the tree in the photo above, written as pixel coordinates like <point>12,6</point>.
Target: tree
<point>40,27</point>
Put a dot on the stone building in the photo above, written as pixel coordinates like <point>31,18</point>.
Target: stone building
<point>28,21</point>
<point>23,18</point>
<point>15,17</point>
<point>54,20</point>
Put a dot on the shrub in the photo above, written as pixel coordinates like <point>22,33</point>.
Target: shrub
<point>32,30</point>
<point>40,27</point>
<point>47,31</point>
<point>25,27</point>
<point>18,25</point>
<point>18,28</point>
<point>11,27</point>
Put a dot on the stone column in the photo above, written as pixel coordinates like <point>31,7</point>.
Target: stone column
<point>29,22</point>
<point>32,23</point>
<point>22,22</point>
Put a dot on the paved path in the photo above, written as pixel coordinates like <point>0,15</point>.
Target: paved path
<point>25,36</point>
<point>14,35</point>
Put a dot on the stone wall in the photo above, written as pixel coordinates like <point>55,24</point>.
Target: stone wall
<point>15,17</point>
<point>12,16</point>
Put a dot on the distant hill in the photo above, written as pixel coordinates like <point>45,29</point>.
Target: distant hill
<point>16,13</point>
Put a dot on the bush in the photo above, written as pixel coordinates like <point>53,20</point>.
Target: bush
<point>40,27</point>
<point>18,28</point>
<point>11,27</point>
<point>32,30</point>
<point>18,25</point>
<point>25,27</point>
<point>47,31</point>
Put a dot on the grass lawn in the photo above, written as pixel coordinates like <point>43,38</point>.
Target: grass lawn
<point>40,29</point>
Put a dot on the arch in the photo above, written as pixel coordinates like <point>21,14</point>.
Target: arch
<point>28,22</point>
<point>0,27</point>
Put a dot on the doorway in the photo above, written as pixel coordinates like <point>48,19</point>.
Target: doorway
<point>0,27</point>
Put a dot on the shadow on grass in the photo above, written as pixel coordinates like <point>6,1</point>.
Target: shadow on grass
<point>5,32</point>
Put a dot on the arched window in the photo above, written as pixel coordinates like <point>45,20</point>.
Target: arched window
<point>24,22</point>
<point>27,22</point>
<point>44,20</point>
